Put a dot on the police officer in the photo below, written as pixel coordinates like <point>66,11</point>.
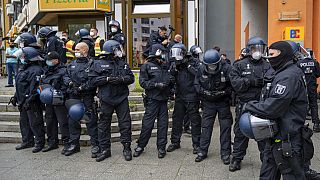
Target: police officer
<point>85,37</point>
<point>68,43</point>
<point>98,41</point>
<point>246,79</point>
<point>27,99</point>
<point>112,76</point>
<point>157,37</point>
<point>116,32</point>
<point>77,79</point>
<point>52,42</point>
<point>56,111</point>
<point>155,79</point>
<point>186,98</point>
<point>285,102</point>
<point>311,69</point>
<point>213,85</point>
<point>310,174</point>
<point>196,53</point>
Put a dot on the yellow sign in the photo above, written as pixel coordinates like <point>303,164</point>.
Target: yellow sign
<point>104,5</point>
<point>66,5</point>
<point>294,33</point>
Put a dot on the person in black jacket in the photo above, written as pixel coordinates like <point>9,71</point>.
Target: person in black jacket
<point>27,99</point>
<point>157,37</point>
<point>56,113</point>
<point>77,79</point>
<point>51,43</point>
<point>112,76</point>
<point>311,69</point>
<point>155,79</point>
<point>186,98</point>
<point>85,37</point>
<point>246,78</point>
<point>285,101</point>
<point>116,32</point>
<point>214,88</point>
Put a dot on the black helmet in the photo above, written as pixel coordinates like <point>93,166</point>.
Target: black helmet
<point>157,50</point>
<point>30,54</point>
<point>257,128</point>
<point>257,47</point>
<point>45,32</point>
<point>114,23</point>
<point>112,47</point>
<point>195,50</point>
<point>212,61</point>
<point>82,33</point>
<point>178,52</point>
<point>25,39</point>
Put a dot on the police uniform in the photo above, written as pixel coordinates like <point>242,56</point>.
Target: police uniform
<point>53,77</point>
<point>155,38</point>
<point>186,102</point>
<point>77,73</point>
<point>311,70</point>
<point>113,96</point>
<point>117,36</point>
<point>245,76</point>
<point>54,43</point>
<point>285,101</point>
<point>153,72</point>
<point>29,104</point>
<point>216,103</point>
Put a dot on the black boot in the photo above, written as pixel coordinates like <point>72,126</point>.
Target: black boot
<point>127,152</point>
<point>195,150</point>
<point>37,148</point>
<point>201,156</point>
<point>235,165</point>
<point>50,147</point>
<point>312,175</point>
<point>104,155</point>
<point>73,148</point>
<point>137,151</point>
<point>24,146</point>
<point>95,150</point>
<point>161,153</point>
<point>225,159</point>
<point>316,128</point>
<point>173,147</point>
<point>65,147</point>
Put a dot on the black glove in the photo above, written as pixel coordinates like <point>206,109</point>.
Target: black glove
<point>206,93</point>
<point>257,82</point>
<point>115,80</point>
<point>13,101</point>
<point>219,93</point>
<point>160,86</point>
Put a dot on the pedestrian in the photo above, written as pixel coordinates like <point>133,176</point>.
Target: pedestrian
<point>246,79</point>
<point>111,75</point>
<point>11,63</point>
<point>155,79</point>
<point>285,102</point>
<point>77,79</point>
<point>187,102</point>
<point>213,85</point>
<point>55,111</point>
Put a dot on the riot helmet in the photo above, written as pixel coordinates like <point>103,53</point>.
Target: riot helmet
<point>257,48</point>
<point>212,61</point>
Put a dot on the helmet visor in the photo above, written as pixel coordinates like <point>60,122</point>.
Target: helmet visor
<point>118,51</point>
<point>257,48</point>
<point>198,51</point>
<point>17,40</point>
<point>177,53</point>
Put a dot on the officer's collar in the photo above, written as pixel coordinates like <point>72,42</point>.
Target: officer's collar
<point>290,63</point>
<point>83,59</point>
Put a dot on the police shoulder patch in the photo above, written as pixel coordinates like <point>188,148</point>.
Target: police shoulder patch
<point>280,89</point>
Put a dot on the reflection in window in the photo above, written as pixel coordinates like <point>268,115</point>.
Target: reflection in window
<point>141,36</point>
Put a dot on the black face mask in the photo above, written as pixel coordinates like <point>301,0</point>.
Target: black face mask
<point>284,57</point>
